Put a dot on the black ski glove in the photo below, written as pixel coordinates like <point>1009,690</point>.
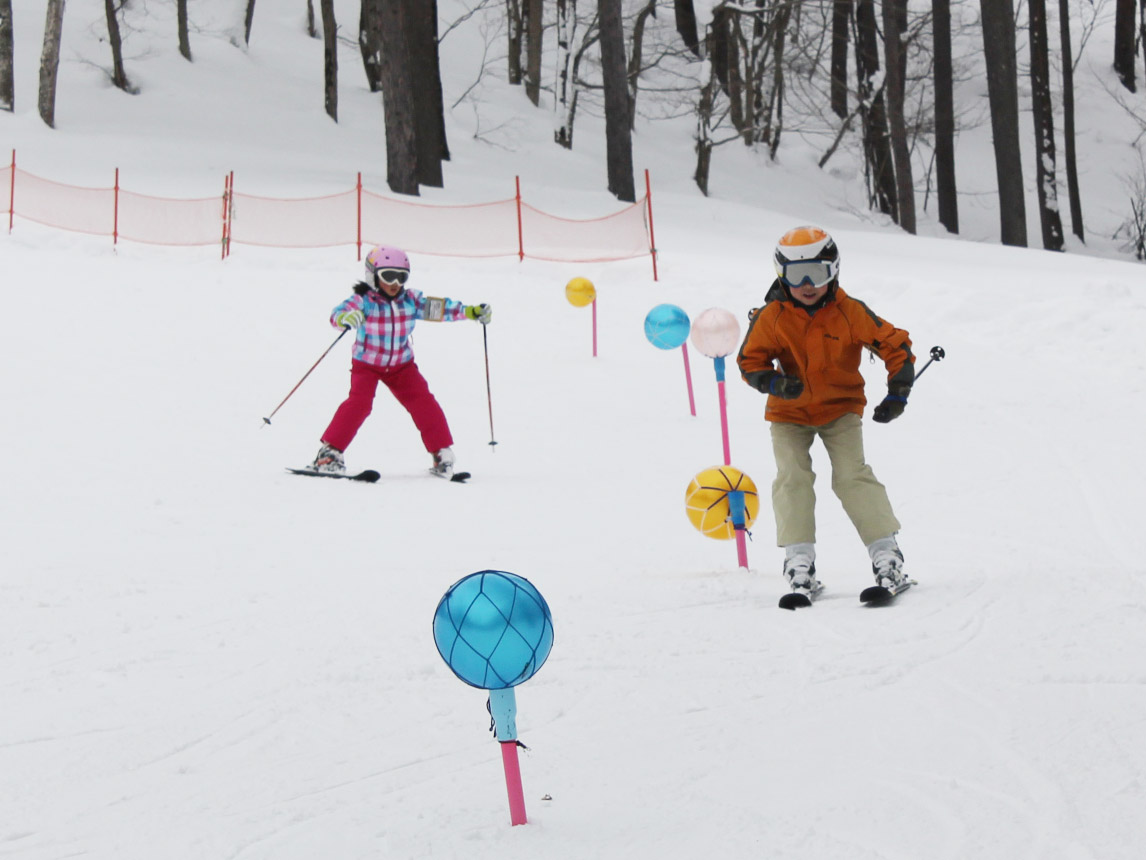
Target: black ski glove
<point>776,383</point>
<point>786,387</point>
<point>890,409</point>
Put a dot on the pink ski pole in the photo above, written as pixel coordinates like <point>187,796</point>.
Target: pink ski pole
<point>688,379</point>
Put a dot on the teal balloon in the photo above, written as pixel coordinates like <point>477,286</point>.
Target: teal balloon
<point>667,326</point>
<point>493,629</point>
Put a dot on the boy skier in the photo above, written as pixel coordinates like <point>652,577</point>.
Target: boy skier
<point>384,312</point>
<point>818,333</point>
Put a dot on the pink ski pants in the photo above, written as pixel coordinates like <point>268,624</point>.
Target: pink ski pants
<point>408,386</point>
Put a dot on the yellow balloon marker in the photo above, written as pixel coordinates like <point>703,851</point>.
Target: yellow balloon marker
<point>581,292</point>
<point>722,503</point>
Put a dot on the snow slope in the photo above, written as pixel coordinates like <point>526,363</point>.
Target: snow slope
<point>204,657</point>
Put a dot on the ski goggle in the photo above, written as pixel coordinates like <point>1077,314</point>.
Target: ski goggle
<point>801,272</point>
<point>393,276</point>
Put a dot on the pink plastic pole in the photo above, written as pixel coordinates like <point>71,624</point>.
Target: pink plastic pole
<point>513,782</point>
<point>741,549</point>
<point>688,379</point>
<point>594,328</point>
<point>724,423</point>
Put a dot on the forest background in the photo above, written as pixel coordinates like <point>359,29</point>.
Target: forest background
<point>880,95</point>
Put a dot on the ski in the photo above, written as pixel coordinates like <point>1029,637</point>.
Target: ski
<point>878,595</point>
<point>369,476</point>
<point>455,477</point>
<point>799,599</point>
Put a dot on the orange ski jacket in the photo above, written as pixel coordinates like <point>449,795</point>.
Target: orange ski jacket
<point>823,349</point>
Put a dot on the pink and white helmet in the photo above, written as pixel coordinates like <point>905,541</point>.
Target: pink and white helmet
<point>383,257</point>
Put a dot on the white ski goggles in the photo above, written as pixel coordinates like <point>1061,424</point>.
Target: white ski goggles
<point>393,276</point>
<point>815,272</point>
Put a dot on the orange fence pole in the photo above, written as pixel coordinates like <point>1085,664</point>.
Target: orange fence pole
<point>520,241</point>
<point>115,216</point>
<point>652,235</point>
<point>360,216</point>
<point>12,193</point>
<point>223,239</point>
<point>230,209</point>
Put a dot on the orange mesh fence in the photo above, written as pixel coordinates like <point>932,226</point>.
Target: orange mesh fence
<point>81,210</point>
<point>315,222</point>
<point>620,236</point>
<point>478,230</point>
<point>161,221</point>
<point>355,217</point>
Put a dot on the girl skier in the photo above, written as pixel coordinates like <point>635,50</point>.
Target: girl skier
<point>384,312</point>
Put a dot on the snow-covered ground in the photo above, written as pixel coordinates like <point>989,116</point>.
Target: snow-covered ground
<point>204,657</point>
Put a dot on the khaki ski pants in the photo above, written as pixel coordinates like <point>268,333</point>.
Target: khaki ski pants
<point>793,498</point>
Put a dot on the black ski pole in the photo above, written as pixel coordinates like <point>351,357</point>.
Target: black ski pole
<point>488,393</point>
<point>267,420</point>
<point>937,354</point>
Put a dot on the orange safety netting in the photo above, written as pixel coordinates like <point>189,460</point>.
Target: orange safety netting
<point>162,221</point>
<point>620,236</point>
<point>355,217</point>
<point>69,207</point>
<point>479,230</point>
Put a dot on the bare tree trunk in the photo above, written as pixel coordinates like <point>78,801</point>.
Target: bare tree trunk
<point>776,102</point>
<point>514,25</point>
<point>370,42</point>
<point>636,60</point>
<point>311,30</point>
<point>877,150</point>
<point>568,61</point>
<point>1068,120</point>
<point>893,51</point>
<point>618,134</point>
<point>1043,110</point>
<point>398,100</point>
<point>50,61</point>
<point>330,58</point>
<point>945,116</point>
<point>841,18</point>
<point>7,81</point>
<point>1142,29</point>
<point>250,17</point>
<point>704,142</point>
<point>686,24</point>
<point>535,19</point>
<point>181,19</point>
<point>1124,52</point>
<point>1003,93</point>
<point>429,123</point>
<point>118,75</point>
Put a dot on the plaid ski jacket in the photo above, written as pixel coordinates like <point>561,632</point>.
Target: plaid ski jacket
<point>384,339</point>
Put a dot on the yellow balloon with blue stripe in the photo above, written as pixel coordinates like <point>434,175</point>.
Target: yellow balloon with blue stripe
<point>716,497</point>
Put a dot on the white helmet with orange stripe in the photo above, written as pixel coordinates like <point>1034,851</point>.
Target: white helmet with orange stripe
<point>806,255</point>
